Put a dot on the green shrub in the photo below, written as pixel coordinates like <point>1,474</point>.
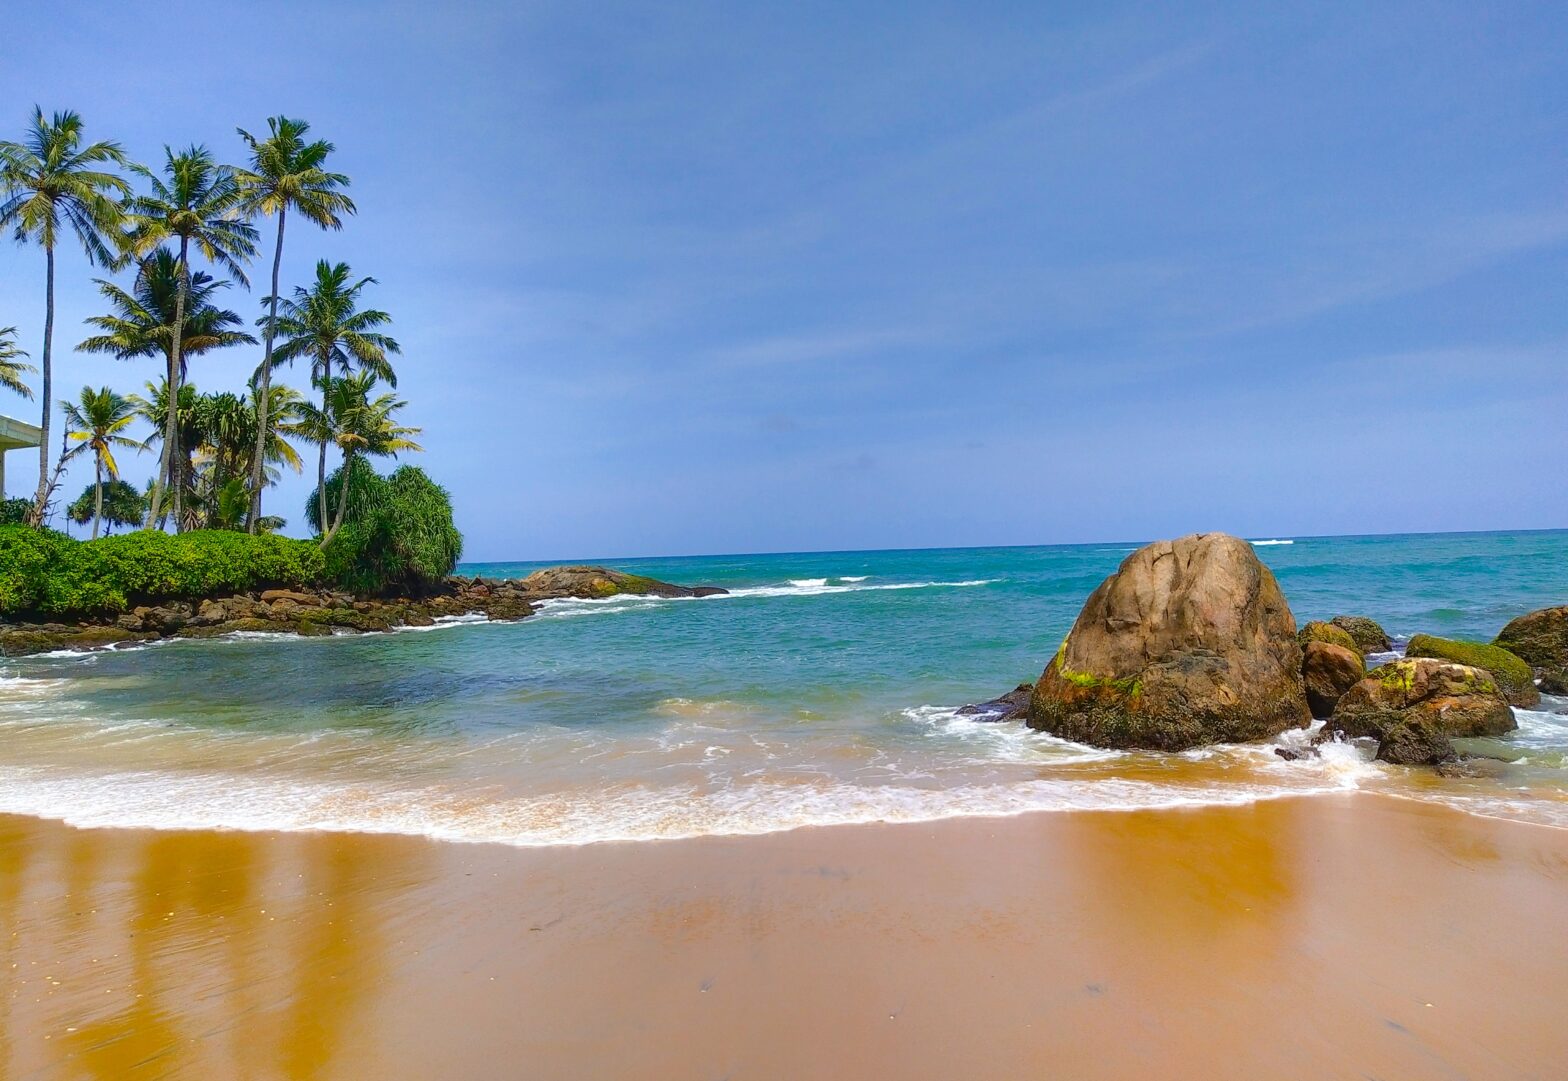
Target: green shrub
<point>46,573</point>
<point>14,511</point>
<point>397,535</point>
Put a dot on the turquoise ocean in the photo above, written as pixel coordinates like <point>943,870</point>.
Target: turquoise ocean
<point>823,689</point>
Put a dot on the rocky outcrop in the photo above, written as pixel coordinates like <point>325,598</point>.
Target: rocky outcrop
<point>1189,642</point>
<point>290,611</point>
<point>1540,638</point>
<point>1012,706</point>
<point>1369,635</point>
<point>1514,677</point>
<point>1554,681</point>
<point>1462,701</point>
<point>1327,672</point>
<point>1318,631</point>
<point>1417,739</point>
<point>591,582</point>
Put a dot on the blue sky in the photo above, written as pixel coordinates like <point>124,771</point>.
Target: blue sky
<point>745,277</point>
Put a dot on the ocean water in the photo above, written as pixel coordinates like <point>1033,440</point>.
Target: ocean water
<point>822,690</point>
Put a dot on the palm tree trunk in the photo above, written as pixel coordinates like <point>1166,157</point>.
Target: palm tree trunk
<point>337,519</point>
<point>97,493</point>
<point>262,405</point>
<point>169,469</point>
<point>42,498</point>
<point>321,464</point>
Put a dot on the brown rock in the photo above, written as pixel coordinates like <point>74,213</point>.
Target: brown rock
<point>1539,637</point>
<point>1189,642</point>
<point>306,599</point>
<point>588,582</point>
<point>1465,701</point>
<point>1012,706</point>
<point>1416,739</point>
<point>1327,672</point>
<point>1369,635</point>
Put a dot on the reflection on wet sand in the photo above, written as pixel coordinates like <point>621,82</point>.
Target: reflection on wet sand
<point>185,954</point>
<point>1354,936</point>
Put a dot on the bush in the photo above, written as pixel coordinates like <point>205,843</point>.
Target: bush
<point>14,511</point>
<point>397,535</point>
<point>46,573</point>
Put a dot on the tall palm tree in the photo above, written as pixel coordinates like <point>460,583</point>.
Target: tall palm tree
<point>141,320</point>
<point>12,366</point>
<point>96,422</point>
<point>51,183</point>
<point>285,171</point>
<point>323,324</point>
<point>197,202</point>
<point>359,426</point>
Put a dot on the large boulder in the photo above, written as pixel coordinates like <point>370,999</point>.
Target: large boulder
<point>590,582</point>
<point>1318,631</point>
<point>1189,642</point>
<point>1464,701</point>
<point>1369,635</point>
<point>1513,675</point>
<point>1327,672</point>
<point>1539,637</point>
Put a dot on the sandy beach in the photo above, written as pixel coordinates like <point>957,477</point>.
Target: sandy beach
<point>1353,936</point>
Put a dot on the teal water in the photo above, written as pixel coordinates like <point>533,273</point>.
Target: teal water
<point>821,690</point>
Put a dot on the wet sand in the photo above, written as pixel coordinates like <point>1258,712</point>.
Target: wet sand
<point>1353,936</point>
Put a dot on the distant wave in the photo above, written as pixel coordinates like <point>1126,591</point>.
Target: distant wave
<point>567,607</point>
<point>1260,543</point>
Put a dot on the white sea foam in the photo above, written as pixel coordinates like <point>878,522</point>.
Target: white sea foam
<point>1264,542</point>
<point>159,800</point>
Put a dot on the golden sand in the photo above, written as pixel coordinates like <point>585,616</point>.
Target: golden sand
<point>1351,937</point>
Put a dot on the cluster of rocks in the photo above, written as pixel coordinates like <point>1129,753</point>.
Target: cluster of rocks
<point>1191,642</point>
<point>333,612</point>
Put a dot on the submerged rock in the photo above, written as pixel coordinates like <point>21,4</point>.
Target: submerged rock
<point>1513,675</point>
<point>1189,642</point>
<point>1369,635</point>
<point>1540,638</point>
<point>1463,701</point>
<point>1012,706</point>
<point>1327,672</point>
<point>1318,631</point>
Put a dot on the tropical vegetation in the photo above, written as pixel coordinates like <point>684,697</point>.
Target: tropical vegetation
<point>175,242</point>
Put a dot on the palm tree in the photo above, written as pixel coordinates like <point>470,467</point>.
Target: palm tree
<point>200,203</point>
<point>95,422</point>
<point>322,324</point>
<point>51,182</point>
<point>141,321</point>
<point>360,426</point>
<point>285,171</point>
<point>11,366</point>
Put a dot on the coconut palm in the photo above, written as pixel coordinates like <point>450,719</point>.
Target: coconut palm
<point>197,202</point>
<point>285,172</point>
<point>96,422</point>
<point>358,425</point>
<point>11,364</point>
<point>323,324</point>
<point>141,320</point>
<point>51,184</point>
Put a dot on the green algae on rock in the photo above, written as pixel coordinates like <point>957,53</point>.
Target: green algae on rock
<point>1512,674</point>
<point>1465,701</point>
<point>1319,631</point>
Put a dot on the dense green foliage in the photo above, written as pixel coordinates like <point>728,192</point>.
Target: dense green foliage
<point>123,505</point>
<point>49,574</point>
<point>14,511</point>
<point>397,536</point>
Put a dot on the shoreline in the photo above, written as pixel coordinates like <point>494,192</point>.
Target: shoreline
<point>1286,938</point>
